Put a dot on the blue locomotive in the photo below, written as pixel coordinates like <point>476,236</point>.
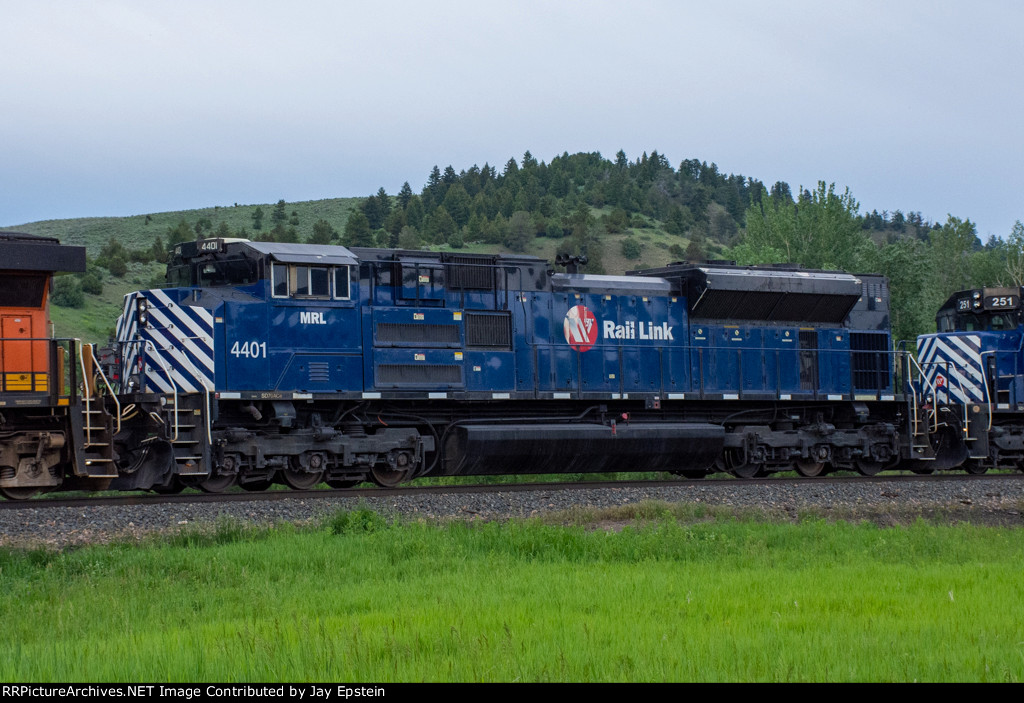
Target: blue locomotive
<point>264,362</point>
<point>974,367</point>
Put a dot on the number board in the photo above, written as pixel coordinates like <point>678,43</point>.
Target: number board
<point>1002,302</point>
<point>214,245</point>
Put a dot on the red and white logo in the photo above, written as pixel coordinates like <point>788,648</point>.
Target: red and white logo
<point>940,380</point>
<point>580,328</point>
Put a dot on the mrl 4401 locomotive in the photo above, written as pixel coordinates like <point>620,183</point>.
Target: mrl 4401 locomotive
<point>263,362</point>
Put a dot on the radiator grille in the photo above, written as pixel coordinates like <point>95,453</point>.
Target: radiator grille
<point>870,359</point>
<point>469,272</point>
<point>417,333</point>
<point>418,374</point>
<point>491,330</point>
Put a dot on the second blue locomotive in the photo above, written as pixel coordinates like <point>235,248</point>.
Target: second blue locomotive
<point>268,362</point>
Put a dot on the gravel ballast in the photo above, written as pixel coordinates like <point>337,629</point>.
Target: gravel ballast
<point>993,501</point>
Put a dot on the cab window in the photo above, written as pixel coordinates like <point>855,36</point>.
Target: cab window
<point>299,281</point>
<point>279,280</point>
<point>342,290</point>
<point>319,282</point>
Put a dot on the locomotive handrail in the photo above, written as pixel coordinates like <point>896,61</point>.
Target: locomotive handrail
<point>99,369</point>
<point>170,377</point>
<point>960,380</point>
<point>86,382</point>
<point>984,385</point>
<point>912,360</point>
<point>206,395</point>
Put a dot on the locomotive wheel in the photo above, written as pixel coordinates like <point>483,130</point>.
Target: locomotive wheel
<point>923,472</point>
<point>383,475</point>
<point>869,468</point>
<point>340,483</point>
<point>974,468</point>
<point>732,463</point>
<point>301,480</point>
<point>809,468</point>
<point>747,471</point>
<point>19,493</point>
<point>218,483</point>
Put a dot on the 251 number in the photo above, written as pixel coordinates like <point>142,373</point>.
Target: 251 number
<point>250,350</point>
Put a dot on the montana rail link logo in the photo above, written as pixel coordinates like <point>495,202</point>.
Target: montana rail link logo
<point>581,329</point>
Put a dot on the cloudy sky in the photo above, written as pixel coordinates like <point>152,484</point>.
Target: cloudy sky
<point>122,107</point>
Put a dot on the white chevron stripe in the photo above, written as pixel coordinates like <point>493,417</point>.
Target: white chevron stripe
<point>971,363</point>
<point>173,358</point>
<point>179,369</point>
<point>958,359</point>
<point>204,355</point>
<point>172,309</point>
<point>183,347</point>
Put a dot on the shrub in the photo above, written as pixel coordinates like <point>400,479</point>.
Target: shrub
<point>631,248</point>
<point>67,292</point>
<point>117,266</point>
<point>92,284</point>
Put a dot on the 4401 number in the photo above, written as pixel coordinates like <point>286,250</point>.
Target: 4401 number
<point>250,350</point>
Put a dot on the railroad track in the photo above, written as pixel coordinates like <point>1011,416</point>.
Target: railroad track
<point>140,499</point>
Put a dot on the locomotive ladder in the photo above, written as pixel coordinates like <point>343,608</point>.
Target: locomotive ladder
<point>95,427</point>
<point>919,421</point>
<point>190,440</point>
<point>190,445</point>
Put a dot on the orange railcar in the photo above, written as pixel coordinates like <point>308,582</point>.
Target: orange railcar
<point>40,410</point>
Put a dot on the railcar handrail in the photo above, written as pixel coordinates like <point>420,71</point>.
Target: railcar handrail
<point>87,383</point>
<point>148,343</point>
<point>912,363</point>
<point>206,394</point>
<point>984,384</point>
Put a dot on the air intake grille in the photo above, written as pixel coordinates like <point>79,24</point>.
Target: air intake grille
<point>870,359</point>
<point>491,330</point>
<point>418,374</point>
<point>419,334</point>
<point>469,272</point>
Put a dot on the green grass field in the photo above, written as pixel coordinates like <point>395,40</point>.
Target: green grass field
<point>674,596</point>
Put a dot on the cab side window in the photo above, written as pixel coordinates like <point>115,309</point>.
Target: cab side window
<point>342,289</point>
<point>299,281</point>
<point>279,280</point>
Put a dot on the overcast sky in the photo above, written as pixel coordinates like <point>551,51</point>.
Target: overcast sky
<point>123,107</point>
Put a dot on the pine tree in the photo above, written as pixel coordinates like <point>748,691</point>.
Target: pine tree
<point>279,216</point>
<point>405,195</point>
<point>357,231</point>
<point>323,233</point>
<point>457,202</point>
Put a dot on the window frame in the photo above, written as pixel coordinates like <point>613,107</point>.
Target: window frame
<point>348,281</point>
<point>291,272</point>
<point>273,280</point>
